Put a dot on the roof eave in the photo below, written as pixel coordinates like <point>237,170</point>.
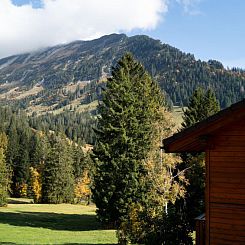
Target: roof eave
<point>192,138</point>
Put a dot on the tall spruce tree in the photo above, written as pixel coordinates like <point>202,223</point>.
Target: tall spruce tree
<point>4,172</point>
<point>39,150</point>
<point>22,165</point>
<point>129,106</point>
<point>58,178</point>
<point>79,160</point>
<point>202,104</point>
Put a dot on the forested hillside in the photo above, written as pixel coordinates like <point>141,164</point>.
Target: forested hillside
<point>32,155</point>
<point>53,77</point>
<point>76,126</point>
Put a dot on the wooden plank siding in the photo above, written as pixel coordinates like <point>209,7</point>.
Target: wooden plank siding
<point>226,192</point>
<point>207,197</point>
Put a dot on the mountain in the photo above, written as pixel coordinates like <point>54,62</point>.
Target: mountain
<point>74,73</point>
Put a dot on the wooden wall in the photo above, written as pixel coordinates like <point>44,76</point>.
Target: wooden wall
<point>226,186</point>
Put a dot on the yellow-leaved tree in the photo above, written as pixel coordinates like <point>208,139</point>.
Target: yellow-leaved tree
<point>35,185</point>
<point>163,183</point>
<point>82,187</point>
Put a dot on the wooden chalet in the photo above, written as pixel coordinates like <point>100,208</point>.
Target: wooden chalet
<point>222,138</point>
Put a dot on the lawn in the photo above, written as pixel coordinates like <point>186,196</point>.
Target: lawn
<point>26,223</point>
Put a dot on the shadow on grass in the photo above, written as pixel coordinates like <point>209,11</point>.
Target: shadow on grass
<point>53,221</point>
<point>19,201</point>
<point>11,243</point>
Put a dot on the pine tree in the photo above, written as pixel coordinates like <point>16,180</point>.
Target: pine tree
<point>13,149</point>
<point>58,178</point>
<point>18,151</point>
<point>194,110</point>
<point>124,133</point>
<point>201,105</point>
<point>4,171</point>
<point>39,151</point>
<point>79,160</point>
<point>22,164</point>
<point>210,104</point>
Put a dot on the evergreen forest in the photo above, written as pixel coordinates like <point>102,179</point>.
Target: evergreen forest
<point>34,159</point>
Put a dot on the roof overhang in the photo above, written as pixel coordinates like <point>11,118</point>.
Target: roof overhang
<point>198,137</point>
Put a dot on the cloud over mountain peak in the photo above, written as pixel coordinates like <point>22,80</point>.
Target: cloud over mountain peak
<point>24,28</point>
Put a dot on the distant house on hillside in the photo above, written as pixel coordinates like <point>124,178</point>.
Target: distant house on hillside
<point>222,137</point>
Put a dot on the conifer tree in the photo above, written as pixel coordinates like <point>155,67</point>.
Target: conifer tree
<point>79,160</point>
<point>58,178</point>
<point>39,151</point>
<point>130,102</point>
<point>18,151</point>
<point>202,104</point>
<point>4,172</point>
<point>13,149</point>
<point>21,165</point>
<point>210,104</point>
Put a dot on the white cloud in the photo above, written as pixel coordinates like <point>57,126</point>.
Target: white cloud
<point>190,6</point>
<point>23,28</point>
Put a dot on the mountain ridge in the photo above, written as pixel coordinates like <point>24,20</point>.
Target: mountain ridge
<point>55,68</point>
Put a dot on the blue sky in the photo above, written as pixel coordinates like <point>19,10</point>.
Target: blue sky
<point>215,31</point>
<point>209,29</point>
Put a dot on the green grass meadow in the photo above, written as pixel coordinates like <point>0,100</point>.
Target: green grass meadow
<point>26,223</point>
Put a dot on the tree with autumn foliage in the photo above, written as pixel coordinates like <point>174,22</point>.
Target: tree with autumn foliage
<point>82,187</point>
<point>35,185</point>
<point>147,220</point>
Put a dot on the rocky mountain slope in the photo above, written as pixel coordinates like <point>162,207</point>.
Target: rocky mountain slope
<point>54,77</point>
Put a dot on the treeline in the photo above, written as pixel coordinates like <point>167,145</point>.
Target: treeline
<point>46,166</point>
